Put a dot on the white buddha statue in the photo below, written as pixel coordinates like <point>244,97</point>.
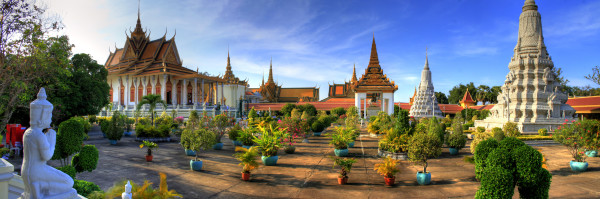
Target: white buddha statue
<point>41,180</point>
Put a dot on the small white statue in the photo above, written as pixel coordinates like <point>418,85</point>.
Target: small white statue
<point>41,180</point>
<point>127,194</point>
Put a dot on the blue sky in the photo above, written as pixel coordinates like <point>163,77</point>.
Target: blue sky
<point>316,43</point>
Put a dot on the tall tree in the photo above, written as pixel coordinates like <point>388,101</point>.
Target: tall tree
<point>483,93</point>
<point>494,92</point>
<point>595,76</point>
<point>29,58</point>
<point>561,80</point>
<point>152,100</point>
<point>441,98</point>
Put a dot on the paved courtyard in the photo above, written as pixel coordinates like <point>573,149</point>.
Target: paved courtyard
<point>309,174</point>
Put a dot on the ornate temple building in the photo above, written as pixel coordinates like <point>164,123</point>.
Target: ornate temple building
<point>345,90</point>
<point>145,66</point>
<point>272,92</point>
<point>234,89</point>
<point>530,95</point>
<point>467,100</point>
<point>423,102</point>
<point>374,92</point>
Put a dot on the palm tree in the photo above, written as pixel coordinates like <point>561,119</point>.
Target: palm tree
<point>152,100</point>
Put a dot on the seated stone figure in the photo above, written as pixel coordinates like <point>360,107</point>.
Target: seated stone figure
<point>41,180</point>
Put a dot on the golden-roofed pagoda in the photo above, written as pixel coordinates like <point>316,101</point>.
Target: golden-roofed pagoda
<point>273,92</point>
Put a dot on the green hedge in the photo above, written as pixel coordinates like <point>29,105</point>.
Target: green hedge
<point>152,132</point>
<point>534,137</point>
<point>69,170</point>
<point>85,188</point>
<point>484,148</point>
<point>69,139</point>
<point>86,160</point>
<point>498,183</point>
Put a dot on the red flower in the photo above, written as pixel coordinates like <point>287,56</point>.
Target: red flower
<point>564,123</point>
<point>566,120</point>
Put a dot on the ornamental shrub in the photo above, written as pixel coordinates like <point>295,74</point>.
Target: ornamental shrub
<point>86,125</point>
<point>500,157</point>
<point>318,126</point>
<point>338,111</point>
<point>498,183</point>
<point>234,132</point>
<point>480,129</point>
<point>115,127</point>
<point>478,138</point>
<point>540,188</point>
<point>92,119</point>
<point>436,129</point>
<point>527,160</point>
<point>510,143</point>
<point>69,170</point>
<point>543,132</point>
<point>104,125</point>
<point>457,140</point>
<point>484,148</point>
<point>86,159</point>
<point>511,129</point>
<point>422,147</point>
<point>498,134</point>
<point>68,140</point>
<point>85,188</point>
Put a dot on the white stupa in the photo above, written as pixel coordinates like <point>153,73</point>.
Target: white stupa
<point>425,104</point>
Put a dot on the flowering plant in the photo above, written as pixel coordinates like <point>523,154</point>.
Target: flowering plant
<point>578,136</point>
<point>293,127</point>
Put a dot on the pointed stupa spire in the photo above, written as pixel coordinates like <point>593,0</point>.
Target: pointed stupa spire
<point>270,80</point>
<point>354,79</point>
<point>374,61</point>
<point>228,60</point>
<point>263,79</point>
<point>138,31</point>
<point>426,61</point>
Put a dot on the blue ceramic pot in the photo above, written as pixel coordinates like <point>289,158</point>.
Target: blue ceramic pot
<point>113,142</point>
<point>453,151</point>
<point>218,146</point>
<point>578,166</point>
<point>190,152</point>
<point>246,146</point>
<point>196,165</point>
<point>127,133</point>
<point>591,153</point>
<point>423,178</point>
<point>236,143</point>
<point>270,161</point>
<point>317,133</point>
<point>350,144</point>
<point>341,152</point>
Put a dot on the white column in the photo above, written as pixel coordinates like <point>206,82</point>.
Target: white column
<point>195,91</point>
<point>184,92</point>
<point>357,102</point>
<point>222,94</point>
<point>202,91</point>
<point>136,92</point>
<point>163,88</point>
<point>127,92</point>
<point>174,92</point>
<point>217,93</point>
<point>365,114</point>
<point>153,82</point>
<point>118,94</point>
<point>144,90</point>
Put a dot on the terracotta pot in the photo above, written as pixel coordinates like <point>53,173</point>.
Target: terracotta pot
<point>390,181</point>
<point>245,176</point>
<point>149,158</point>
<point>343,180</point>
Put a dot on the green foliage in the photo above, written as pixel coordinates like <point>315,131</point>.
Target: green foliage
<point>498,183</point>
<point>269,142</point>
<point>141,191</point>
<point>498,134</point>
<point>149,145</point>
<point>457,140</point>
<point>286,110</point>
<point>247,137</point>
<point>147,131</point>
<point>338,111</point>
<point>252,114</point>
<point>528,161</point>
<point>396,140</point>
<point>457,92</point>
<point>152,100</point>
<point>422,147</point>
<point>481,129</point>
<point>88,89</point>
<point>296,114</point>
<point>86,159</point>
<point>340,138</point>
<point>538,189</point>
<point>534,137</point>
<point>318,126</point>
<point>116,127</point>
<point>104,124</point>
<point>310,109</point>
<point>197,140</point>
<point>543,132</point>
<point>247,159</point>
<point>85,188</point>
<point>510,129</point>
<point>510,143</point>
<point>68,139</point>
<point>484,148</point>
<point>436,129</point>
<point>479,137</point>
<point>345,165</point>
<point>234,132</point>
<point>441,98</point>
<point>501,157</point>
<point>92,119</point>
<point>69,170</point>
<point>86,125</point>
<point>352,111</point>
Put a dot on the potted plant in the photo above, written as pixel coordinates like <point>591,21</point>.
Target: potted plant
<point>317,127</point>
<point>422,147</point>
<point>128,126</point>
<point>388,170</point>
<point>219,123</point>
<point>269,143</point>
<point>201,139</point>
<point>150,146</point>
<point>248,162</point>
<point>352,134</point>
<point>339,140</point>
<point>576,138</point>
<point>246,137</point>
<point>456,141</point>
<point>345,167</point>
<point>234,133</point>
<point>115,128</point>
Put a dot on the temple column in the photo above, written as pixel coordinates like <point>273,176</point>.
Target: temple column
<point>153,82</point>
<point>357,102</point>
<point>174,92</point>
<point>222,94</point>
<point>183,92</point>
<point>127,92</point>
<point>136,92</point>
<point>118,94</point>
<point>145,84</point>
<point>195,91</point>
<point>217,100</point>
<point>365,114</point>
<point>202,92</point>
<point>163,88</point>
